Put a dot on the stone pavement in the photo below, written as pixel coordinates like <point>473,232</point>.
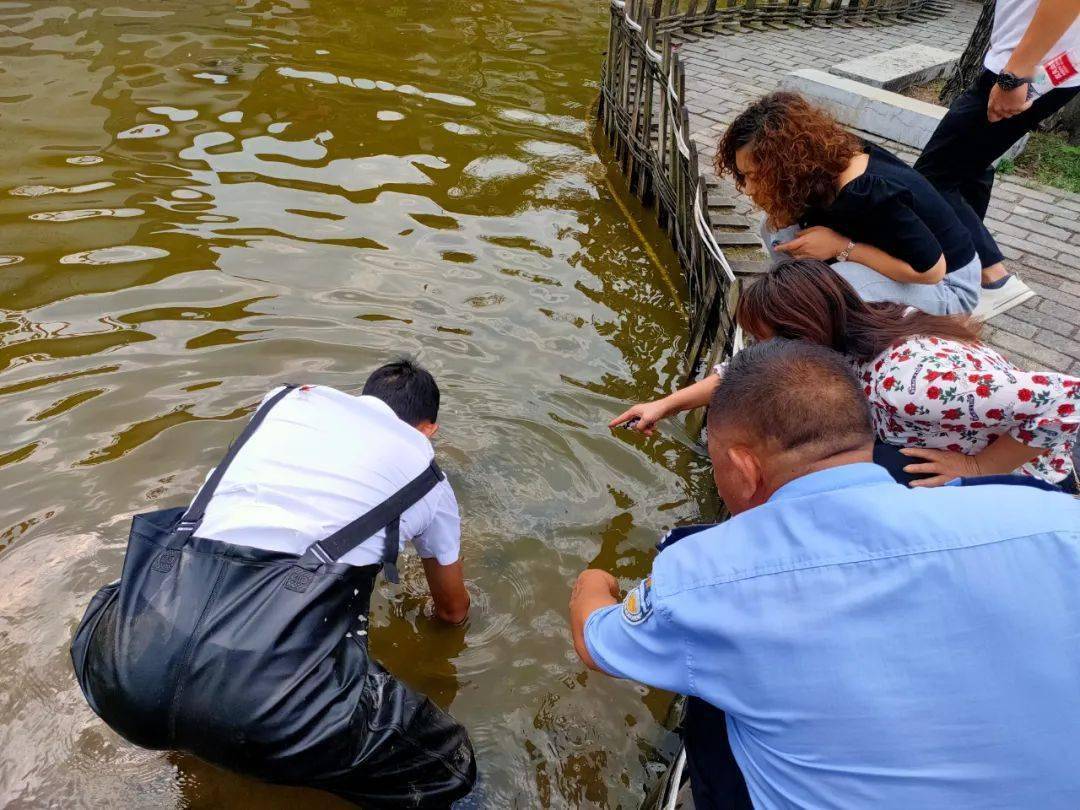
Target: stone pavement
<point>1038,228</point>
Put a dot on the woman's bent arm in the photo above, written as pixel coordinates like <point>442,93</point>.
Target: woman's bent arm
<point>896,269</point>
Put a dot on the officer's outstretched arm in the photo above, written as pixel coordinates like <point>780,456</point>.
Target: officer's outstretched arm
<point>448,592</point>
<point>593,590</point>
<point>638,640</point>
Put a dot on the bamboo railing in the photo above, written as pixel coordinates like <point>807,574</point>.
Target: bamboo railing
<point>643,112</point>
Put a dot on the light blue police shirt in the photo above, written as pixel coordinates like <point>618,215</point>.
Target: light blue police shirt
<point>875,646</point>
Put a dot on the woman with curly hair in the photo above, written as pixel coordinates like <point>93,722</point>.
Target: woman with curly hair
<point>830,196</point>
<point>944,404</point>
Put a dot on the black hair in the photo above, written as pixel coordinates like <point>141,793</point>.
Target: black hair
<point>409,390</point>
<point>795,395</point>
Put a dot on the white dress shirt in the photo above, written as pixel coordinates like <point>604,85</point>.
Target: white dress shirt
<point>321,459</point>
<point>1011,20</point>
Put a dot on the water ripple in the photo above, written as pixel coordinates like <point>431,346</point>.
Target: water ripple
<point>115,255</point>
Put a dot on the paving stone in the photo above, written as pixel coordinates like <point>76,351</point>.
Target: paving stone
<point>1047,252</point>
<point>1049,358</point>
<point>1023,205</point>
<point>1050,267</point>
<point>1069,259</point>
<point>1071,224</point>
<point>1068,315</point>
<point>1051,231</point>
<point>1019,208</point>
<point>1007,323</point>
<point>1054,341</point>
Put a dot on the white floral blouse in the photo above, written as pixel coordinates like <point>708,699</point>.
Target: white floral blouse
<point>943,394</point>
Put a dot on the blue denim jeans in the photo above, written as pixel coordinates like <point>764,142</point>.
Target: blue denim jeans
<point>956,294</point>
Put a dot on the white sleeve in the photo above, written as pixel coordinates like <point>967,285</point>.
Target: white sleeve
<point>442,537</point>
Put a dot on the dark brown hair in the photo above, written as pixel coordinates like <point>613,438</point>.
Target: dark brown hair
<point>803,299</point>
<point>799,152</point>
<point>795,396</point>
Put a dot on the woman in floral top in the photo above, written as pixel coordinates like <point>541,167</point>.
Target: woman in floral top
<point>956,406</point>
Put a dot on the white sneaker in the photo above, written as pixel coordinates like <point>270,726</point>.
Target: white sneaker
<point>993,302</point>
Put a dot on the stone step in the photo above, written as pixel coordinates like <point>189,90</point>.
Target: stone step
<point>728,221</point>
<point>745,267</point>
<point>736,238</point>
<point>720,201</point>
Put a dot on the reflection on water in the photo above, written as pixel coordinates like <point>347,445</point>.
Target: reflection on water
<point>202,199</point>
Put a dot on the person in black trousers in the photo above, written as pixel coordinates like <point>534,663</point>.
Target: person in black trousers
<point>993,114</point>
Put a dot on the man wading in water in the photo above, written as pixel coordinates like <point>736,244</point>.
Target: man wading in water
<point>238,631</point>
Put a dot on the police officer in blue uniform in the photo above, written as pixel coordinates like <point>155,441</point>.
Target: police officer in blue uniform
<point>238,631</point>
<point>862,643</point>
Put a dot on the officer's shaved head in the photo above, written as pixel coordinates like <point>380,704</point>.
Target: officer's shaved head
<point>792,405</point>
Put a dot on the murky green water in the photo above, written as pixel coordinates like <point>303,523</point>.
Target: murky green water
<point>202,198</point>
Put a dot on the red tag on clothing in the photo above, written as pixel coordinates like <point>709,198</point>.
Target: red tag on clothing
<point>1060,69</point>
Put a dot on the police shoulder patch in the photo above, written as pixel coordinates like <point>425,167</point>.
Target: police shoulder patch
<point>637,606</point>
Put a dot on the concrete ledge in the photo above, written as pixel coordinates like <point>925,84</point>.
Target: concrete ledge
<point>898,68</point>
<point>871,109</point>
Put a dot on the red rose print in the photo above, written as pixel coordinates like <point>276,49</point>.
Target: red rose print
<point>932,375</point>
<point>878,365</point>
<point>1024,394</point>
<point>955,448</point>
<point>933,392</point>
<point>978,424</point>
<point>866,390</point>
<point>1025,435</point>
<point>973,377</point>
<point>1040,379</point>
<point>889,382</point>
<point>949,375</point>
<point>910,409</point>
<point>983,391</point>
<point>995,413</point>
<point>952,413</point>
<point>1066,409</point>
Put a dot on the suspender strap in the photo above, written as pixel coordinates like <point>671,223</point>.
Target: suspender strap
<point>194,515</point>
<point>387,515</point>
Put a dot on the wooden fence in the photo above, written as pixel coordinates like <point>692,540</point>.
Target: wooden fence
<point>643,113</point>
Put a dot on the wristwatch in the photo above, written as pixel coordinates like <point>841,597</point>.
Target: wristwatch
<point>842,256</point>
<point>1010,81</point>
